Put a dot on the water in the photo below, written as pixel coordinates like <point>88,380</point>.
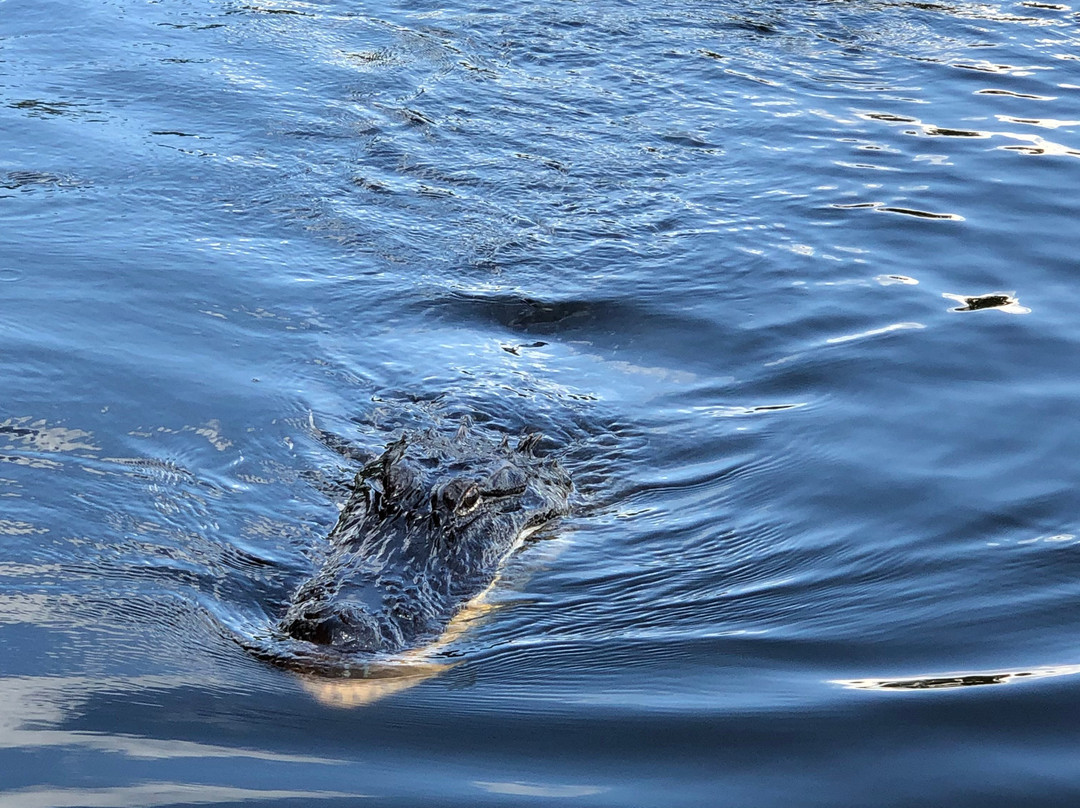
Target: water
<point>826,543</point>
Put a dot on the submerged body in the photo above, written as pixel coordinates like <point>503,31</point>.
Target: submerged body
<point>425,532</point>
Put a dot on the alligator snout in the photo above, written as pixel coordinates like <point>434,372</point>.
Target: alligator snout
<point>339,625</point>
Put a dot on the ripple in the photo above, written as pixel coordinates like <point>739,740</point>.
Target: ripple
<point>1040,147</point>
<point>1046,123</point>
<point>874,332</point>
<point>13,527</point>
<point>990,67</point>
<point>970,679</point>
<point>1001,301</point>
<point>1034,144</point>
<point>26,180</point>
<point>883,208</point>
<point>938,131</point>
<point>570,216</point>
<point>1012,94</point>
<point>892,280</point>
<point>920,214</point>
<point>38,108</point>
<point>888,117</point>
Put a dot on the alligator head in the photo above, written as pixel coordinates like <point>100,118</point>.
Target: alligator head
<point>425,531</point>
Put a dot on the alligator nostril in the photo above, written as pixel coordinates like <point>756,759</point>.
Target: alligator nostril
<point>345,628</point>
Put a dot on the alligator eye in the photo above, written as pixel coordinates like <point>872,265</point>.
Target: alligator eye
<point>461,496</point>
<point>469,500</point>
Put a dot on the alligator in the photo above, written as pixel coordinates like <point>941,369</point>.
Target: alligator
<point>424,533</point>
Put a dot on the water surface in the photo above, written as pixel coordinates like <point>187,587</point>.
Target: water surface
<point>788,286</point>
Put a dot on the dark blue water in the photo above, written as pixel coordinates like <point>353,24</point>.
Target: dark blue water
<point>826,542</point>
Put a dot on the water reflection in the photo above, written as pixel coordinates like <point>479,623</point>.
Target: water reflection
<point>51,713</point>
<point>1033,144</point>
<point>890,280</point>
<point>154,795</point>
<point>974,679</point>
<point>40,436</point>
<point>1001,301</point>
<point>34,710</point>
<point>883,208</point>
<point>555,790</point>
<point>377,682</point>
